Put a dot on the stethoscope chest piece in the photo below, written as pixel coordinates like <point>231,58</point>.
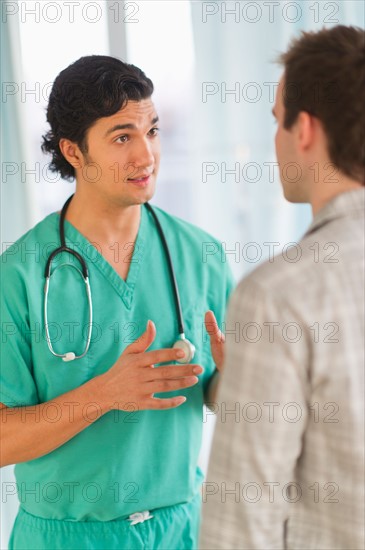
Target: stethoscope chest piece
<point>187,347</point>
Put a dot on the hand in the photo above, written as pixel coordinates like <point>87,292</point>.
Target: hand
<point>133,379</point>
<point>217,339</point>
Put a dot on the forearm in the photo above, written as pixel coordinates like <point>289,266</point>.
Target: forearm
<point>33,431</point>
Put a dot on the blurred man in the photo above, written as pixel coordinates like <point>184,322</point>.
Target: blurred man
<point>287,463</point>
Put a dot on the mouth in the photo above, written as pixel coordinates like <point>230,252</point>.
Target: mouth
<point>141,181</point>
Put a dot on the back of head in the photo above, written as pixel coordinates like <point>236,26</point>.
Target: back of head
<point>93,87</point>
<point>325,76</point>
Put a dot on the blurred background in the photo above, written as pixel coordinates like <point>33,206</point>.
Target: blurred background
<point>215,76</point>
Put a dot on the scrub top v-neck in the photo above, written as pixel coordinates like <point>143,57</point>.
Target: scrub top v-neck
<point>124,288</point>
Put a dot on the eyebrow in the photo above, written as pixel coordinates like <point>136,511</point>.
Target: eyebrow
<point>128,126</point>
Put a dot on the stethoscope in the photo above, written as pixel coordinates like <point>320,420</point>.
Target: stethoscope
<point>182,342</point>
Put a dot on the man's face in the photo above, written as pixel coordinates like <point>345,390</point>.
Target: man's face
<point>123,155</point>
<point>291,171</point>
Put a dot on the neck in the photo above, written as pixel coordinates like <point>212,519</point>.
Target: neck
<point>103,222</point>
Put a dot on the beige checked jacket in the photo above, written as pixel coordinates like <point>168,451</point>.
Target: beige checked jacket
<point>287,463</point>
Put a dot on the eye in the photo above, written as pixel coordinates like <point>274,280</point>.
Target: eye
<point>123,138</point>
<point>154,131</point>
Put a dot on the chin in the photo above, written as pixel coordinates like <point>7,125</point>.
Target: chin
<point>293,193</point>
<point>291,198</point>
<point>144,196</point>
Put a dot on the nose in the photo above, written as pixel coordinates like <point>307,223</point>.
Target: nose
<point>144,154</point>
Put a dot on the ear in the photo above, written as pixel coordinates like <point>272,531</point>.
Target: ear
<point>71,152</point>
<point>306,130</point>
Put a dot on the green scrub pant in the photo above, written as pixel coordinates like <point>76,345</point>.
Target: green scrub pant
<point>171,528</point>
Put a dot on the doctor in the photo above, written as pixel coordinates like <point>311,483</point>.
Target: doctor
<point>105,443</point>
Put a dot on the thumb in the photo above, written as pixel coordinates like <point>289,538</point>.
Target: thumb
<point>212,328</point>
<point>211,324</point>
<point>144,341</point>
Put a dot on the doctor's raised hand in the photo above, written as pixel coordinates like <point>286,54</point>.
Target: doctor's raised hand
<point>134,378</point>
<point>217,340</point>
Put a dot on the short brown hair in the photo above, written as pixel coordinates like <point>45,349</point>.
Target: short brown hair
<point>324,75</point>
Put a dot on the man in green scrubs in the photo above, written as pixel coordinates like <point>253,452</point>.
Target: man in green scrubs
<point>106,445</point>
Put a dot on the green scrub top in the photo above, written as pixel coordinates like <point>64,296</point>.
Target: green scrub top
<point>126,461</point>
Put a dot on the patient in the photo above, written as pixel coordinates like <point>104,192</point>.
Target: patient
<point>287,467</point>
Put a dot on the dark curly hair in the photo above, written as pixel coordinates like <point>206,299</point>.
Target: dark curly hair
<point>325,76</point>
<point>93,87</point>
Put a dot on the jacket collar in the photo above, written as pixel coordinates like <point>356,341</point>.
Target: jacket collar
<point>348,204</point>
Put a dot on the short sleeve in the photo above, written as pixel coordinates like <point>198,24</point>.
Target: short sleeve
<point>17,385</point>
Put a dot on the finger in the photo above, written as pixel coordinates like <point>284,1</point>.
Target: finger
<point>144,341</point>
<point>157,403</point>
<point>161,386</point>
<point>172,372</point>
<point>158,356</point>
<point>212,327</point>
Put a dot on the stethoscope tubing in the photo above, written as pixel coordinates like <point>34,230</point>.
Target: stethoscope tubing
<point>180,322</point>
<point>182,342</point>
